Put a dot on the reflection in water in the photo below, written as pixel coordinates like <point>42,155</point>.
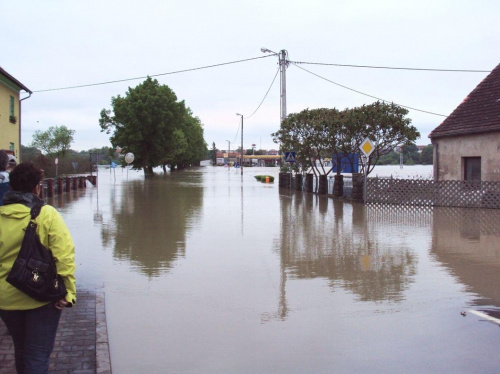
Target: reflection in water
<point>347,253</point>
<point>337,281</point>
<point>151,221</point>
<point>467,241</point>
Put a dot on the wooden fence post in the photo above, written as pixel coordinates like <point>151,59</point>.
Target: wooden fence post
<point>338,186</point>
<point>50,187</point>
<point>323,185</point>
<point>298,182</point>
<point>309,183</point>
<point>59,186</point>
<point>357,186</point>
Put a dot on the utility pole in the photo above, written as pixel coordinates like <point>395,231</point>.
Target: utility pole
<point>241,165</point>
<point>283,65</point>
<point>241,160</point>
<point>228,153</point>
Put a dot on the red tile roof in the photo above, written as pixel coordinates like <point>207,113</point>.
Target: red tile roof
<point>478,113</point>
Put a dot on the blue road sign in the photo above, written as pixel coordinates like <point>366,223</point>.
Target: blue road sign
<point>290,156</point>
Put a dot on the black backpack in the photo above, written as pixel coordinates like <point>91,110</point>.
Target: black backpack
<point>34,272</point>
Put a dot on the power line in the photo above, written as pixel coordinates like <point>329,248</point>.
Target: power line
<point>365,94</point>
<point>154,75</point>
<point>237,132</point>
<point>392,67</point>
<point>269,89</point>
<point>255,111</point>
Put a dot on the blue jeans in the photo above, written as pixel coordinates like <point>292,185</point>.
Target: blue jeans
<point>33,332</point>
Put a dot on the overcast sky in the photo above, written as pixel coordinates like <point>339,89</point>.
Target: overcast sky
<point>56,44</point>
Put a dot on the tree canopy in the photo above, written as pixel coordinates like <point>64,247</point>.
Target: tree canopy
<point>55,141</point>
<point>323,133</point>
<point>158,129</point>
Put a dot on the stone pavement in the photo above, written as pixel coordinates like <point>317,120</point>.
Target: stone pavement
<point>82,345</point>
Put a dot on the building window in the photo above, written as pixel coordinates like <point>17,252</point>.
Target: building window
<point>11,146</point>
<point>12,106</point>
<point>472,168</point>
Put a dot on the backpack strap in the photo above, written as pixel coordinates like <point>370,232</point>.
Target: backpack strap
<point>35,211</point>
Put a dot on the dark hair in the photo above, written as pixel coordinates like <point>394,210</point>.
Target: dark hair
<point>4,160</point>
<point>25,177</point>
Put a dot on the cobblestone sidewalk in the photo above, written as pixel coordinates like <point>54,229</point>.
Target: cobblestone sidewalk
<point>81,346</point>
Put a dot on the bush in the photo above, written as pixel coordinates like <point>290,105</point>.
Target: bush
<point>262,178</point>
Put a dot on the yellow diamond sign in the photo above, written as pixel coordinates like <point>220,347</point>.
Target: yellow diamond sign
<point>367,147</point>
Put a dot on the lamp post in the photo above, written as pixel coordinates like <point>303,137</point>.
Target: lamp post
<point>241,161</point>
<point>90,161</point>
<point>228,153</point>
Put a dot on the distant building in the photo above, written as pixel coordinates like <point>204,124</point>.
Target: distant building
<point>467,142</point>
<point>272,152</point>
<point>10,112</point>
<point>224,157</point>
<point>421,148</point>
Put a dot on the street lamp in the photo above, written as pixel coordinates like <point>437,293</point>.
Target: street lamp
<point>90,160</point>
<point>228,152</point>
<point>241,163</point>
<point>265,50</point>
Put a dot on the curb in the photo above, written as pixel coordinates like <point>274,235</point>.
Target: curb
<point>103,359</point>
<point>82,344</point>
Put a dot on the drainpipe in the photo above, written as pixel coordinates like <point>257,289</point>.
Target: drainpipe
<point>436,160</point>
<point>20,111</point>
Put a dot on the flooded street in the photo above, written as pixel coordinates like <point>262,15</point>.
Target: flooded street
<point>208,271</point>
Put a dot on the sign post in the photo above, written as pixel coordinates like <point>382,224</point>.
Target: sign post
<point>367,147</point>
<point>129,158</point>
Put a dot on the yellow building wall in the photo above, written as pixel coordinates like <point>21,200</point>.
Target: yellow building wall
<point>9,132</point>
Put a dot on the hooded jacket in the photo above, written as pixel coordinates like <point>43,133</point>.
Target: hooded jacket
<point>53,234</point>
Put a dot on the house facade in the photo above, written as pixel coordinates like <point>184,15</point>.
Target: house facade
<point>10,112</point>
<point>467,143</point>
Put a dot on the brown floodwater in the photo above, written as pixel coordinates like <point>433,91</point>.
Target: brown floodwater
<point>208,271</point>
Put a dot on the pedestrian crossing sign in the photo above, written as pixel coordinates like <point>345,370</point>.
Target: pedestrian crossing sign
<point>290,156</point>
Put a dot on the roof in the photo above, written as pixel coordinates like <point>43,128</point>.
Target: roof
<point>478,113</point>
<point>11,78</point>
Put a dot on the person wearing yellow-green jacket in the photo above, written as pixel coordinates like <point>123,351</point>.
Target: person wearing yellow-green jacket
<point>31,323</point>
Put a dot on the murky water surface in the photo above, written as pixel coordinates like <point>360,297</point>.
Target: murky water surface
<point>206,271</point>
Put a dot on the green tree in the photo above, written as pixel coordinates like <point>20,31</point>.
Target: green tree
<point>411,155</point>
<point>148,122</point>
<point>304,133</point>
<point>319,133</point>
<point>213,154</point>
<point>55,141</point>
<point>192,146</point>
<point>391,158</point>
<point>386,125</point>
<point>29,153</point>
<point>427,155</point>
